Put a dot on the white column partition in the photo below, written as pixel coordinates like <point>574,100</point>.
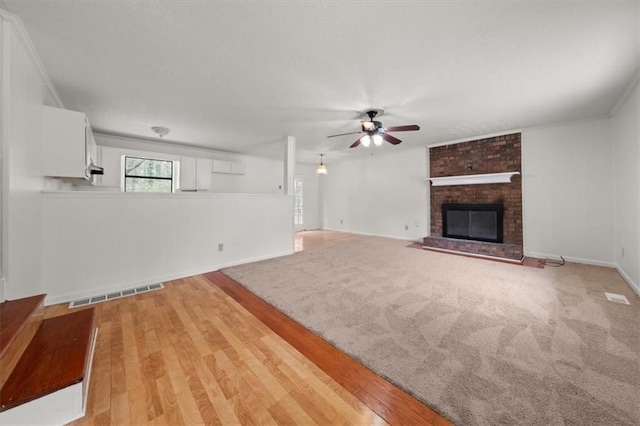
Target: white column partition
<point>289,164</point>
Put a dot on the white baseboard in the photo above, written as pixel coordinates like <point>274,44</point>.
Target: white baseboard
<point>571,259</point>
<point>53,298</point>
<point>3,283</point>
<point>393,237</point>
<point>634,286</point>
<point>252,259</point>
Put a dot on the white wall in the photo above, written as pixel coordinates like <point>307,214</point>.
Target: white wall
<point>626,161</point>
<point>311,195</point>
<point>262,175</point>
<point>100,242</point>
<point>378,195</point>
<point>567,191</point>
<point>23,90</point>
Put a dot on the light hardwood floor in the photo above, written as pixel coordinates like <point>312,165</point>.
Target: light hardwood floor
<point>191,354</point>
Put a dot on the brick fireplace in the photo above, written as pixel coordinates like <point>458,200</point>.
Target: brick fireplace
<point>499,154</point>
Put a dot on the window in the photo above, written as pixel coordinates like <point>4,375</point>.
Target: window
<point>147,175</point>
<point>298,201</point>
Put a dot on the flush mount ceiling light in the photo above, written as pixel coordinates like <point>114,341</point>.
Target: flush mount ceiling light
<point>321,169</point>
<point>160,131</point>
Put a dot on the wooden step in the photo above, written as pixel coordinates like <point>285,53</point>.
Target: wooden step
<point>19,321</point>
<point>57,357</point>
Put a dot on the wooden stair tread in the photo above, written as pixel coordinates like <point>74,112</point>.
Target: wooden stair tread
<point>55,359</point>
<point>14,314</point>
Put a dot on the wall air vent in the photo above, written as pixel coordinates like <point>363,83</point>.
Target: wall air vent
<point>115,295</point>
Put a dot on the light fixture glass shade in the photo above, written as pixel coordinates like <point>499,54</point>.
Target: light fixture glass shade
<point>377,139</point>
<point>321,169</point>
<point>365,141</point>
<point>160,131</point>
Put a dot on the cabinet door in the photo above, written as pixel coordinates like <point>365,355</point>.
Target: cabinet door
<point>64,143</point>
<point>111,160</point>
<point>203,174</point>
<point>188,174</point>
<point>221,166</point>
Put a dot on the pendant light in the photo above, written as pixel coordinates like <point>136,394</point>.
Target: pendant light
<point>321,169</point>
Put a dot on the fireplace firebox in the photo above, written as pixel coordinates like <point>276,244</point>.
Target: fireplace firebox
<point>478,222</point>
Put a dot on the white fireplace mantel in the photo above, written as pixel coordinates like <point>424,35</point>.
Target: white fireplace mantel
<point>473,179</point>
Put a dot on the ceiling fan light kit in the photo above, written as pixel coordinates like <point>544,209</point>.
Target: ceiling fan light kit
<point>375,132</point>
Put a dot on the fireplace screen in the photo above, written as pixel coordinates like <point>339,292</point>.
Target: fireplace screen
<point>480,222</point>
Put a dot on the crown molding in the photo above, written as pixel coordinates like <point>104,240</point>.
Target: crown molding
<point>23,36</point>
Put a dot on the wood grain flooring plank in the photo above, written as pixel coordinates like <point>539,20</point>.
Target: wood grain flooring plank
<point>187,405</point>
<point>169,400</point>
<point>102,419</point>
<point>304,380</point>
<point>120,409</point>
<point>100,388</point>
<point>287,411</point>
<point>137,405</point>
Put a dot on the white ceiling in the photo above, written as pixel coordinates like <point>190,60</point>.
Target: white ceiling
<point>240,76</point>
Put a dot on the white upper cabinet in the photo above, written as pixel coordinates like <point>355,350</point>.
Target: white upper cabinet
<point>203,174</point>
<point>70,150</point>
<point>188,174</point>
<point>229,167</point>
<point>111,160</point>
<point>195,174</point>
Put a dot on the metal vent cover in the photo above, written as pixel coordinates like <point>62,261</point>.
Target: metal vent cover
<point>115,295</point>
<point>617,298</point>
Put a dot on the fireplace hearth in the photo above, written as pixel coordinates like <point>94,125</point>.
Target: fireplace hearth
<point>477,222</point>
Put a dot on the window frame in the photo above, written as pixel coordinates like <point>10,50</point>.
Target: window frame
<point>137,157</point>
<point>298,218</point>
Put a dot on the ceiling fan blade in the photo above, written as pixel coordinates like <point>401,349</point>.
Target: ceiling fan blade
<point>403,128</point>
<point>392,140</point>
<point>343,134</point>
<point>355,144</point>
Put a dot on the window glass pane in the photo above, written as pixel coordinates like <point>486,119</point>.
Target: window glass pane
<point>298,201</point>
<point>146,167</point>
<point>135,184</point>
<point>148,175</point>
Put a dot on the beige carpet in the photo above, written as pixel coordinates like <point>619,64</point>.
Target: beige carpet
<point>481,342</point>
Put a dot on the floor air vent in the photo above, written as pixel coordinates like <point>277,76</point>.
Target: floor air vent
<point>618,298</point>
<point>115,295</point>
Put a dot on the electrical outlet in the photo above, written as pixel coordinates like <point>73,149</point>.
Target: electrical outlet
<point>220,247</point>
<point>622,251</point>
<point>406,227</point>
<point>340,221</point>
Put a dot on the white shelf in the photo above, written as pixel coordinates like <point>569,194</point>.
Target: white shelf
<point>473,179</point>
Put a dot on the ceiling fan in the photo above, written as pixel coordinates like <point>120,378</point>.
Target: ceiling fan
<point>375,132</point>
